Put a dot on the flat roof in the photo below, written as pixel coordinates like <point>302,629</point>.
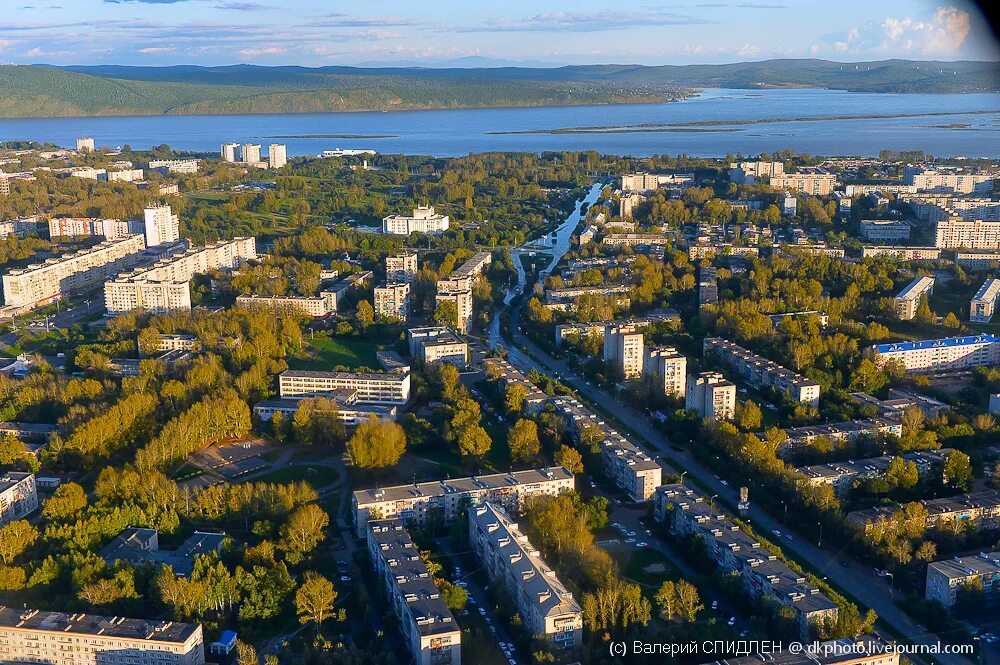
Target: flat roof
<point>988,291</point>
<point>984,563</point>
<point>97,626</point>
<point>945,342</point>
<point>391,377</point>
<point>9,479</point>
<point>470,484</point>
<point>916,288</point>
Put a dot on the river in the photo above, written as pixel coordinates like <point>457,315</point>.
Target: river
<point>464,131</point>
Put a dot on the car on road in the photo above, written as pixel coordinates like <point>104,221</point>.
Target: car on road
<point>631,534</point>
<point>725,482</point>
<point>630,540</point>
<point>788,537</point>
<point>482,612</point>
<point>731,622</point>
<point>715,605</point>
<point>642,544</point>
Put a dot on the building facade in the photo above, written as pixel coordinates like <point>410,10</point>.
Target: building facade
<point>982,304</point>
<point>312,305</point>
<point>945,578</point>
<point>401,267</point>
<point>161,225</point>
<point>940,355</point>
<point>392,301</point>
<point>623,350</point>
<point>423,220</point>
<point>669,368</point>
<point>960,234</point>
<point>907,301</point>
<point>883,230</point>
<point>711,396</point>
<point>372,388</point>
<point>760,372</point>
<point>817,184</point>
<point>277,155</point>
<point>18,496</point>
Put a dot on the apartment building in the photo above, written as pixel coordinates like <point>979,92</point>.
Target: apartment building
<point>545,605</point>
<point>435,345</point>
<point>907,301</point>
<point>18,496</point>
<point>250,153</point>
<point>959,234</point>
<point>842,475</point>
<point>165,285</point>
<point>85,144</point>
<point>423,220</point>
<point>761,373</point>
<point>669,369</point>
<point>124,175</point>
<point>277,155</point>
<point>982,304</point>
<point>623,351</point>
<point>508,375</point>
<point>442,501</point>
<point>901,400</point>
<point>565,332</point>
<point>883,230</point>
<point>392,301</point>
<point>945,578</point>
<point>338,291</point>
<point>925,179</point>
<point>978,260</point>
<point>688,513</point>
<point>708,287</point>
<point>176,342</point>
<point>817,184</point>
<point>401,267</point>
<point>42,283</point>
<point>161,225</point>
<point>711,396</point>
<point>978,511</point>
<point>111,229</point>
<point>627,203</point>
<point>884,187</point>
<point>821,317</point>
<point>748,173</point>
<point>348,410</point>
<point>184,166</point>
<point>902,253</point>
<point>229,151</point>
<point>625,464</point>
<point>635,239</point>
<point>459,293</point>
<point>59,638</point>
<point>316,306</point>
<point>372,388</point>
<point>639,182</point>
<point>940,355</point>
<point>849,430</point>
<point>429,629</point>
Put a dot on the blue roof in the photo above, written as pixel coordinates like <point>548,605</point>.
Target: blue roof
<point>936,343</point>
<point>227,636</point>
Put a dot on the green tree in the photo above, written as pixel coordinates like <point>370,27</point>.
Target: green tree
<point>902,473</point>
<point>455,597</point>
<point>688,601</point>
<point>366,313</point>
<point>514,398</point>
<point>569,458</point>
<point>523,440</point>
<point>376,444</point>
<point>956,472</point>
<point>446,313</point>
<point>306,528</point>
<point>748,416</point>
<point>951,321</point>
<point>15,538</point>
<point>314,599</point>
<point>474,441</point>
<point>67,501</point>
<point>666,600</point>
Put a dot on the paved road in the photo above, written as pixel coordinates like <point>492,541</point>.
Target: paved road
<point>856,580</point>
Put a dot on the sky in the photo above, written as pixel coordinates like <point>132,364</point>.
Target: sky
<point>529,32</point>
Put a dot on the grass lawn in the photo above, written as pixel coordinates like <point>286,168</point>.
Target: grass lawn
<point>315,475</point>
<point>633,564</point>
<point>324,354</point>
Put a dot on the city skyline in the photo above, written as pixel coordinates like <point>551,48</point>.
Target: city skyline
<point>224,32</point>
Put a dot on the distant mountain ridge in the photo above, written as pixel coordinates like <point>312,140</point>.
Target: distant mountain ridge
<point>81,90</point>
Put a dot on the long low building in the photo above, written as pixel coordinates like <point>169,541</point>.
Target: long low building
<point>546,606</point>
<point>907,301</point>
<point>983,303</point>
<point>139,546</point>
<point>876,230</point>
<point>348,410</point>
<point>316,306</point>
<point>978,260</point>
<point>625,464</point>
<point>978,510</point>
<point>575,330</point>
<point>948,354</point>
<point>797,437</point>
<point>42,283</point>
<point>688,513</point>
<point>902,253</point>
<point>945,578</point>
<point>841,475</point>
<point>633,239</point>
<point>442,501</point>
<point>61,638</point>
<point>508,375</point>
<point>759,372</point>
<point>371,387</point>
<point>429,629</point>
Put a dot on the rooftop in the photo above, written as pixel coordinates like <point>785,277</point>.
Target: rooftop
<point>458,485</point>
<point>946,342</point>
<point>90,624</point>
<point>984,563</point>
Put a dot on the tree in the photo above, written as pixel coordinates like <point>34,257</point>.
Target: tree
<point>616,606</point>
<point>16,537</point>
<point>447,378</point>
<point>902,473</point>
<point>514,398</point>
<point>666,600</point>
<point>956,472</point>
<point>376,444</point>
<point>474,441</point>
<point>366,313</point>
<point>13,452</point>
<point>523,440</point>
<point>317,421</point>
<point>569,458</point>
<point>748,416</point>
<point>305,529</point>
<point>246,654</point>
<point>924,313</point>
<point>688,601</point>
<point>951,321</point>
<point>314,599</point>
<point>454,596</point>
<point>446,313</point>
<point>67,501</point>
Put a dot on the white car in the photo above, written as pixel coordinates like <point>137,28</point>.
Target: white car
<point>642,544</point>
<point>631,534</point>
<point>630,540</point>
<point>715,605</point>
<point>482,611</point>
<point>731,622</point>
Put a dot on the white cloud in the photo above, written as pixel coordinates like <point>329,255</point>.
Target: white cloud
<point>942,33</point>
<point>267,50</point>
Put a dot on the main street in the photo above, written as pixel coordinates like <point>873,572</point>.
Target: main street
<point>832,563</point>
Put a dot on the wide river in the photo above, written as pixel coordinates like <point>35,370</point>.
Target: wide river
<point>937,124</point>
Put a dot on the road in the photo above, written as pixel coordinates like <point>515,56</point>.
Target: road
<point>856,580</point>
<point>63,319</point>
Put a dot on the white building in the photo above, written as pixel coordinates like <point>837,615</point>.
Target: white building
<point>276,155</point>
<point>250,153</point>
<point>85,144</point>
<point>401,267</point>
<point>372,388</point>
<point>763,373</point>
<point>423,220</point>
<point>960,234</point>
<point>18,496</point>
<point>670,369</point>
<point>817,184</point>
<point>161,225</point>
<point>41,283</point>
<point>317,306</point>
<point>623,350</point>
<point>124,175</point>
<point>545,605</point>
<point>711,395</point>
<point>907,301</point>
<point>925,179</point>
<point>789,205</point>
<point>438,344</point>
<point>174,165</point>
<point>940,355</point>
<point>750,172</point>
<point>229,151</point>
<point>392,301</point>
<point>884,230</point>
<point>111,229</point>
<point>981,307</point>
<point>944,578</point>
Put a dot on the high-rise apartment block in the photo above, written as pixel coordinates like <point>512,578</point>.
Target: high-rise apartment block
<point>669,369</point>
<point>925,179</point>
<point>276,155</point>
<point>626,205</point>
<point>401,267</point>
<point>111,229</point>
<point>85,144</point>
<point>907,301</point>
<point>711,396</point>
<point>423,220</point>
<point>972,234</point>
<point>983,303</point>
<point>749,173</point>
<point>250,153</point>
<point>161,226</point>
<point>229,151</point>
<point>42,283</point>
<point>546,607</point>
<point>817,184</point>
<point>623,351</point>
<point>941,355</point>
<point>18,496</point>
<point>429,629</point>
<point>392,301</point>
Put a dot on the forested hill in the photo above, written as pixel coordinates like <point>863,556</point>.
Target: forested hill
<point>33,91</point>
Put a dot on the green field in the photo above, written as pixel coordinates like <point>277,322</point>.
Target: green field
<point>324,354</point>
<point>634,562</point>
<point>314,474</point>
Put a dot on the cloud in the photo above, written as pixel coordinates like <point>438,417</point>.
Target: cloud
<point>748,50</point>
<point>584,22</point>
<point>267,50</point>
<point>338,20</point>
<point>942,33</point>
<point>143,2</point>
<point>151,50</point>
<point>754,5</point>
<point>243,6</point>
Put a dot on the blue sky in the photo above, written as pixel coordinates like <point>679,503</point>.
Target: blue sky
<point>317,32</point>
